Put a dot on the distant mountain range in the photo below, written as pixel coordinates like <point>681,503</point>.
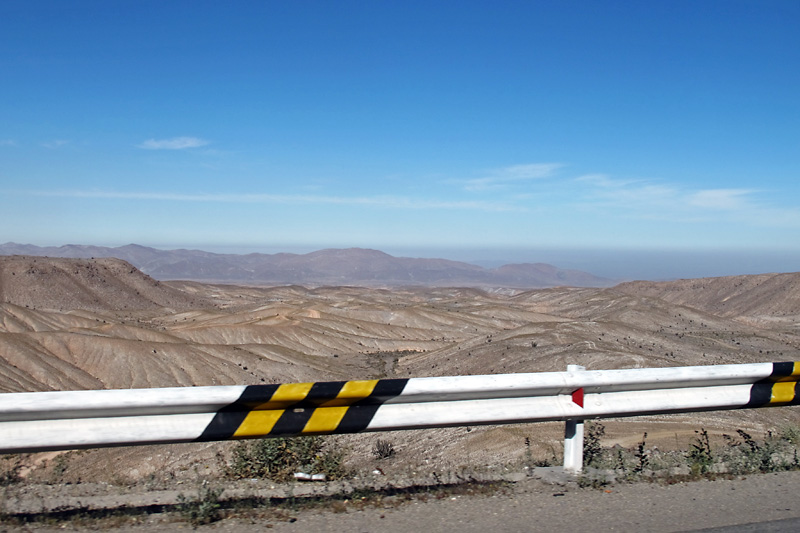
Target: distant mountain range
<point>351,266</point>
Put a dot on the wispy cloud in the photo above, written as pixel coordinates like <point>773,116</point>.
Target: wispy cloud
<point>654,200</point>
<point>722,199</point>
<point>8,142</point>
<point>392,202</point>
<point>175,143</point>
<point>57,143</point>
<point>503,177</point>
<point>527,172</point>
<point>606,182</point>
<point>632,194</point>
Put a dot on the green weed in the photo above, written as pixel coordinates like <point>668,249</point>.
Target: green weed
<point>592,449</point>
<point>279,458</point>
<point>700,456</point>
<point>642,456</point>
<point>202,510</point>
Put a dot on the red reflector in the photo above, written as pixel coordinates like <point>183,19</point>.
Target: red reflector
<point>577,396</point>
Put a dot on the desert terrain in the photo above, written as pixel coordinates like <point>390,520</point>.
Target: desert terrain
<point>70,324</point>
<point>361,267</point>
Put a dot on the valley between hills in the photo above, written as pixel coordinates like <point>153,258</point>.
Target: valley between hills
<point>71,324</point>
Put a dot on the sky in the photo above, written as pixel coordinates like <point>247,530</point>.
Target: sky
<point>630,139</point>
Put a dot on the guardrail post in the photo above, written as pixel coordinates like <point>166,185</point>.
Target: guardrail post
<point>573,438</point>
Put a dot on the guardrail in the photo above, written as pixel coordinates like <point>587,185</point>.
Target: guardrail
<point>40,421</point>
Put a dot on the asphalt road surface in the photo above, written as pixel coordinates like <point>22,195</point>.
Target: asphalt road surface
<point>756,503</point>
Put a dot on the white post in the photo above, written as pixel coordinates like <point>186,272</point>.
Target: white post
<point>573,438</point>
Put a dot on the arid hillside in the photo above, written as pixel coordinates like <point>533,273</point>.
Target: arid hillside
<point>765,296</point>
<point>89,324</point>
<point>106,284</point>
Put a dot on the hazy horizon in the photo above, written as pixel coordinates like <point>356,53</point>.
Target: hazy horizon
<point>619,264</point>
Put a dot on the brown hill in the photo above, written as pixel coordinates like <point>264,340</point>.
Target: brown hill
<point>100,284</point>
<point>516,275</point>
<point>761,296</point>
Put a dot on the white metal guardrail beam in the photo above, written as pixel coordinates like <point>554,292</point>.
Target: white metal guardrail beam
<point>81,419</point>
<point>128,402</point>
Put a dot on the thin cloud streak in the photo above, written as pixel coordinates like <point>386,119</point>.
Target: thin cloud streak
<point>175,143</point>
<point>503,177</point>
<point>58,143</point>
<point>527,172</point>
<point>604,181</point>
<point>394,202</point>
<point>722,199</point>
<point>646,199</point>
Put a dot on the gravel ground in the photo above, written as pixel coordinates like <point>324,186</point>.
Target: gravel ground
<point>536,506</point>
<point>544,503</point>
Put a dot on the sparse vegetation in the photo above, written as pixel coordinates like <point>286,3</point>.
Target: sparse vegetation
<point>202,510</point>
<point>738,456</point>
<point>9,469</point>
<point>554,458</point>
<point>776,453</point>
<point>208,507</point>
<point>59,467</point>
<point>279,458</point>
<point>642,456</point>
<point>700,456</point>
<point>383,449</point>
<point>592,449</point>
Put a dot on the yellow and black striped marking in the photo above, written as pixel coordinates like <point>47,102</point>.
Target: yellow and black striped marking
<point>780,388</point>
<point>302,409</point>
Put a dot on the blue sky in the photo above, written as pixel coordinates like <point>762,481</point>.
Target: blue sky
<point>665,132</point>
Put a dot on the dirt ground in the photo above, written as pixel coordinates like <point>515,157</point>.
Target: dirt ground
<point>543,500</point>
